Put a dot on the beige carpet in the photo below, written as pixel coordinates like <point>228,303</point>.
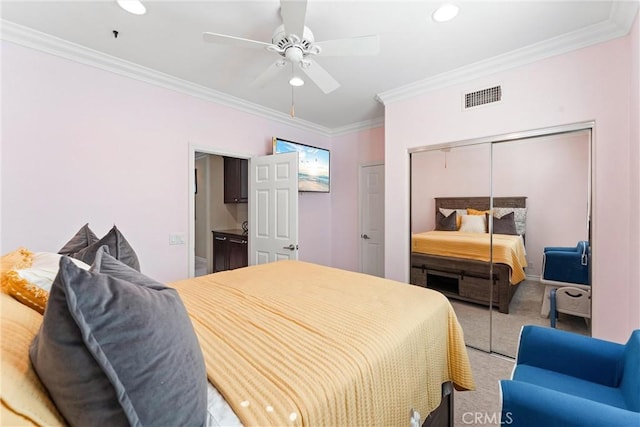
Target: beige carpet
<point>481,407</point>
<point>500,333</point>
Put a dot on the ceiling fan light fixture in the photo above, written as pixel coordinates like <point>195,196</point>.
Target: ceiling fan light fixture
<point>296,81</point>
<point>294,54</point>
<point>132,6</point>
<point>445,13</point>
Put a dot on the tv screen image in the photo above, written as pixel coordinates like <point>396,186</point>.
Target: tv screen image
<point>313,164</point>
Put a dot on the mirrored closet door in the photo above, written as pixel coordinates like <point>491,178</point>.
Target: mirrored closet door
<point>553,172</point>
<point>532,192</point>
<point>441,182</point>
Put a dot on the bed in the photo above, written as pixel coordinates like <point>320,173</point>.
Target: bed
<point>458,263</point>
<point>287,343</point>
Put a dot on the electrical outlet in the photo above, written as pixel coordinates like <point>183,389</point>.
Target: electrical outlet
<point>176,239</point>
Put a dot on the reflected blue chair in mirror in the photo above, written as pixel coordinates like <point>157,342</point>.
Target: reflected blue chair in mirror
<point>565,266</point>
<point>565,379</point>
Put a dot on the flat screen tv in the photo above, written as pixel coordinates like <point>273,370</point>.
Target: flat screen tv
<point>313,164</point>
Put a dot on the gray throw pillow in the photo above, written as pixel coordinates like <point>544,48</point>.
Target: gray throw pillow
<point>447,223</point>
<point>107,264</point>
<point>119,248</point>
<point>119,352</point>
<point>83,238</point>
<point>519,216</point>
<point>505,225</point>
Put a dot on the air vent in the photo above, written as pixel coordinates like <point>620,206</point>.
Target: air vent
<point>482,97</point>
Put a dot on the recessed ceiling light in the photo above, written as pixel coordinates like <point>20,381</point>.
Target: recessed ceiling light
<point>445,13</point>
<point>296,81</point>
<point>132,6</point>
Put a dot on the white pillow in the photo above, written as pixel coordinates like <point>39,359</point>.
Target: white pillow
<point>31,285</point>
<point>45,268</point>
<point>473,224</point>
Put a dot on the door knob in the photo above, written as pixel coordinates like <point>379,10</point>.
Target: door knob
<point>291,247</point>
<point>364,236</point>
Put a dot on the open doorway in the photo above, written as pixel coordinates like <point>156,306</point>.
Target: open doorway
<point>220,212</point>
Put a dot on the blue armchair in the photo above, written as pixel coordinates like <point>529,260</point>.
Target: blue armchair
<point>569,265</point>
<point>565,379</point>
<point>565,266</point>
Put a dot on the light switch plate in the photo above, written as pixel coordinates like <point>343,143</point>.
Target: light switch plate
<point>176,239</point>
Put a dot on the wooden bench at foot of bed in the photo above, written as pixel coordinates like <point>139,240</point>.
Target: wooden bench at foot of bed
<point>464,279</point>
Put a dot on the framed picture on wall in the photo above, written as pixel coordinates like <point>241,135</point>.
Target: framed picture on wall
<point>313,164</point>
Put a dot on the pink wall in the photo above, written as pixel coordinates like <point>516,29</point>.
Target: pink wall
<point>589,84</point>
<point>349,152</point>
<point>551,171</point>
<point>80,144</point>
<point>634,167</point>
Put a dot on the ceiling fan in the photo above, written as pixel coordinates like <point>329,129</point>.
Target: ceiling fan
<point>294,43</point>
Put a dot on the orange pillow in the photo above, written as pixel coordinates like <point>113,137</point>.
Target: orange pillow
<point>16,260</point>
<point>27,293</point>
<point>471,211</point>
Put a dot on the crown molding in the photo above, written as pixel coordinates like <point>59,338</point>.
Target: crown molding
<point>623,13</point>
<point>358,126</point>
<point>43,42</point>
<point>619,24</point>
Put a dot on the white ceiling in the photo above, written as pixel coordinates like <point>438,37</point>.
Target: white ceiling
<point>165,46</point>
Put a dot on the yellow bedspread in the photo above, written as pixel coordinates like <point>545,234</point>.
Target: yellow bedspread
<point>507,249</point>
<point>293,343</point>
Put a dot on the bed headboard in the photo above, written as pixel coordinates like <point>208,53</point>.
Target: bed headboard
<point>480,203</point>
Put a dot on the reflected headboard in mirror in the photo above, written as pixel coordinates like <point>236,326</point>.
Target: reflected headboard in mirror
<point>480,203</point>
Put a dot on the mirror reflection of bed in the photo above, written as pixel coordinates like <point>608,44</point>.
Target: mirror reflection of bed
<point>455,257</point>
<point>545,180</point>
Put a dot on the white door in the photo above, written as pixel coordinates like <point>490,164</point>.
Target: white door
<point>273,208</point>
<point>372,220</point>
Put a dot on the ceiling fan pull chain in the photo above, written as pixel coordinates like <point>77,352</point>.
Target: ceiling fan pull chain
<point>293,110</point>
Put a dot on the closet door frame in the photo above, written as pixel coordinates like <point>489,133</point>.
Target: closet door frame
<point>519,136</point>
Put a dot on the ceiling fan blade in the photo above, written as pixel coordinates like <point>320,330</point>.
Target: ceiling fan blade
<point>365,45</point>
<point>233,41</point>
<point>320,77</point>
<point>293,16</point>
<point>268,74</point>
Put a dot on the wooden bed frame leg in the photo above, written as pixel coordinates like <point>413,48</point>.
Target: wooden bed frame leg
<point>442,416</point>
